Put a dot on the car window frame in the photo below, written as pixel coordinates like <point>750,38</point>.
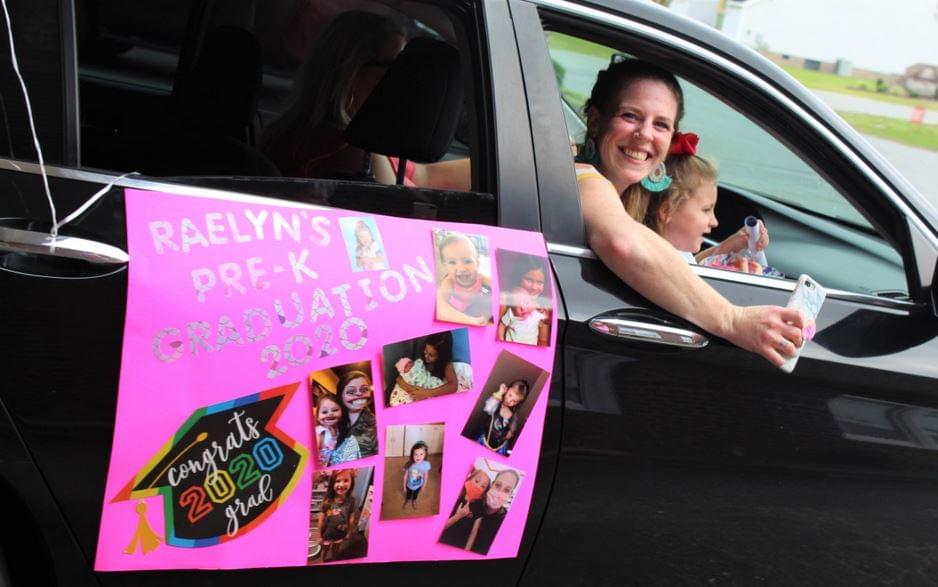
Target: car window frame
<point>874,196</point>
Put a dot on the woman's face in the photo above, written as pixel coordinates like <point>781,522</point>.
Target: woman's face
<point>356,394</point>
<point>430,354</point>
<point>502,488</point>
<point>343,482</point>
<point>371,72</point>
<point>533,282</point>
<point>685,227</point>
<point>634,135</point>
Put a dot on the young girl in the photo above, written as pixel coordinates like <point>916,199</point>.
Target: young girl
<point>523,317</point>
<point>337,513</point>
<point>683,213</point>
<point>368,255</point>
<point>335,444</point>
<point>474,488</point>
<point>464,294</point>
<point>415,473</point>
<point>428,377</point>
<point>502,408</point>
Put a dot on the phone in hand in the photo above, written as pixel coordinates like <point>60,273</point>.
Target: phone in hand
<point>808,297</point>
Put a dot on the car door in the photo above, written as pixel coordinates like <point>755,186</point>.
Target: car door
<point>683,458</point>
<point>63,318</point>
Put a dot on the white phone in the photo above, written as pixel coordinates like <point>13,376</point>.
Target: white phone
<point>808,297</point>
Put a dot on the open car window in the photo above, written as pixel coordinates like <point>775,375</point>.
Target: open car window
<point>813,227</point>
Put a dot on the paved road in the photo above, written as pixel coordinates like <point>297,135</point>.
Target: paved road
<point>919,166</point>
<point>855,104</point>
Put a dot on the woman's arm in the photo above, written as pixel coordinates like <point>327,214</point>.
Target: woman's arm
<point>454,174</point>
<point>651,266</point>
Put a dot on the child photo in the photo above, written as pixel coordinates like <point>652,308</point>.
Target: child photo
<point>463,276</point>
<point>524,301</point>
<point>339,515</point>
<point>484,500</point>
<point>506,400</point>
<point>363,244</point>
<point>344,423</point>
<point>413,459</point>
<point>427,366</point>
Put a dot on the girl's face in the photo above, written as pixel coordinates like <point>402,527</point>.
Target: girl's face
<point>364,237</point>
<point>356,394</point>
<point>480,480</point>
<point>533,282</point>
<point>419,454</point>
<point>685,227</point>
<point>502,488</point>
<point>513,396</point>
<point>430,354</point>
<point>329,412</point>
<point>461,261</point>
<point>633,137</point>
<point>343,482</point>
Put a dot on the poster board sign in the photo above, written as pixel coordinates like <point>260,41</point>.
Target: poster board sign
<point>294,378</point>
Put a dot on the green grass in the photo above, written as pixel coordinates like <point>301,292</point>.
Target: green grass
<point>817,80</point>
<point>567,43</point>
<point>924,136</point>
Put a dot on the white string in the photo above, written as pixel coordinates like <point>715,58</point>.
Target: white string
<point>32,125</point>
<point>97,196</point>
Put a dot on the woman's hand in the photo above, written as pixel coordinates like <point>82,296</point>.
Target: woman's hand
<point>773,332</point>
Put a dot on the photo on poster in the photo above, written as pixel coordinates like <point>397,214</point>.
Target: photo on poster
<point>428,366</point>
<point>507,398</point>
<point>463,277</point>
<point>413,460</point>
<point>344,423</point>
<point>524,299</point>
<point>488,490</point>
<point>363,243</point>
<point>340,515</point>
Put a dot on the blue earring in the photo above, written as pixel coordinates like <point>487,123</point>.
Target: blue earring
<point>658,180</point>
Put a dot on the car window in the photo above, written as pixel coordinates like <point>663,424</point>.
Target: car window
<point>235,94</point>
<point>757,174</point>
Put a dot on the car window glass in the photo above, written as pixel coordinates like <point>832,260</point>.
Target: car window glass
<point>200,92</point>
<point>754,168</point>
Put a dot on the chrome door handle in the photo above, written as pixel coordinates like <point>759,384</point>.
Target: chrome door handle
<point>28,241</point>
<point>648,332</point>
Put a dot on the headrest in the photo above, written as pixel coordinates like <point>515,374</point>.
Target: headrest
<point>222,91</point>
<point>413,111</point>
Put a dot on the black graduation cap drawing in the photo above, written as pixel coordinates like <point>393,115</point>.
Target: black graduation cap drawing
<point>223,473</point>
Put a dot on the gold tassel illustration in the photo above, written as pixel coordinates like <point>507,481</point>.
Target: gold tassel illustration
<point>144,535</point>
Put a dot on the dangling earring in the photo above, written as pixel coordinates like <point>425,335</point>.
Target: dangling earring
<point>658,180</point>
<point>587,153</point>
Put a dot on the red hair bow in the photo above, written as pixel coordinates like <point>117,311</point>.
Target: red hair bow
<point>684,143</point>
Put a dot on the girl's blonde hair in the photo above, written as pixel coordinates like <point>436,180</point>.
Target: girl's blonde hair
<point>687,173</point>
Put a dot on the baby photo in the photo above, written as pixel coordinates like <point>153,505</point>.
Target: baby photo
<point>506,400</point>
<point>524,300</point>
<point>344,421</point>
<point>339,515</point>
<point>427,366</point>
<point>484,500</point>
<point>413,459</point>
<point>363,244</point>
<point>463,276</point>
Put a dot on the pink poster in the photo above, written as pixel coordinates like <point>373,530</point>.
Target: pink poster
<point>305,386</point>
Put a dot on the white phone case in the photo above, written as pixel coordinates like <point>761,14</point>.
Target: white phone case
<point>808,297</point>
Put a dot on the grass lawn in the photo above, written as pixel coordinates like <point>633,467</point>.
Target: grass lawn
<point>817,80</point>
<point>924,136</point>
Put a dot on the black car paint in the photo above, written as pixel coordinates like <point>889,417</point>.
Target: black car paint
<point>658,466</point>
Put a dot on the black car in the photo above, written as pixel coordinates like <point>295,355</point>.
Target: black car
<point>669,455</point>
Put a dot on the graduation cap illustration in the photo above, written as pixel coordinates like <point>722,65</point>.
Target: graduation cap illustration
<point>221,474</point>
